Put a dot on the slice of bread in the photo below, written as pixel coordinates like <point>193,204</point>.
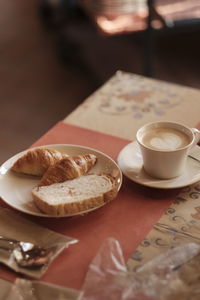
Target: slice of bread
<point>76,195</point>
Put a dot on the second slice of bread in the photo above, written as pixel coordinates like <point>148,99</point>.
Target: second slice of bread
<point>76,195</point>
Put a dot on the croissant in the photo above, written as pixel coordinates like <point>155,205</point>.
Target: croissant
<point>37,161</point>
<point>68,168</point>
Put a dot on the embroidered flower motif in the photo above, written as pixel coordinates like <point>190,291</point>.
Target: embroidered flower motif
<point>133,96</point>
<point>136,96</point>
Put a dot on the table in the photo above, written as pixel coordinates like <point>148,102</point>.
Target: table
<point>107,121</point>
<point>125,103</point>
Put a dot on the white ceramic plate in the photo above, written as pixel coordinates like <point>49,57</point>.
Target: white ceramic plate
<point>15,189</point>
<point>131,163</point>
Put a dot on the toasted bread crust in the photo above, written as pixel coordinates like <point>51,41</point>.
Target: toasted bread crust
<point>76,207</point>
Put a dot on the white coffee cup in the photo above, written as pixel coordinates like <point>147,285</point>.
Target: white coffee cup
<point>165,147</point>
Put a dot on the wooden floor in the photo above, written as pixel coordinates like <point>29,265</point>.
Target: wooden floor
<point>37,89</point>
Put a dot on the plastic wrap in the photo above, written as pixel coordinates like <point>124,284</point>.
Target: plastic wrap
<point>5,288</point>
<point>172,275</point>
<point>167,277</point>
<point>35,290</point>
<point>13,226</point>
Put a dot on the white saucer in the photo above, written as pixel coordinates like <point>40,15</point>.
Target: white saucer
<point>131,163</point>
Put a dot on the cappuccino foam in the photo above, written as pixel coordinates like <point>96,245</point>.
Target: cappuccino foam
<point>165,138</point>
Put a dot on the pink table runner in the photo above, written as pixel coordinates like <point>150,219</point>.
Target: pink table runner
<point>128,218</point>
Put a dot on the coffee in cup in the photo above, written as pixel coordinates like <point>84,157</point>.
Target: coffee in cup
<point>165,147</point>
<point>165,139</point>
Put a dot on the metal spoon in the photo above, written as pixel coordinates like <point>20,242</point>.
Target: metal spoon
<point>26,254</point>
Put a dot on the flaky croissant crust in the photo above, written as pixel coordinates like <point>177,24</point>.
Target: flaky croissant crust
<point>68,168</point>
<point>37,161</point>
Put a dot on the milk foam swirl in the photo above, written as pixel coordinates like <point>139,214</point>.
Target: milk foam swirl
<point>165,139</point>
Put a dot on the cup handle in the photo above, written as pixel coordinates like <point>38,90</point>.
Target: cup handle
<point>197,136</point>
<point>194,150</point>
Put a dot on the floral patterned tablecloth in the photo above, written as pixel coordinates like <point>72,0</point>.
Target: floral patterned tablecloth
<point>122,105</point>
<point>179,225</point>
<point>127,101</point>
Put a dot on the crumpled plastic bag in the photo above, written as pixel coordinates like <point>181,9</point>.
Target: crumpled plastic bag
<point>24,289</point>
<point>170,276</point>
<point>15,227</point>
<point>164,278</point>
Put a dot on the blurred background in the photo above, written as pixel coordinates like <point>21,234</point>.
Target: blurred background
<point>55,53</point>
